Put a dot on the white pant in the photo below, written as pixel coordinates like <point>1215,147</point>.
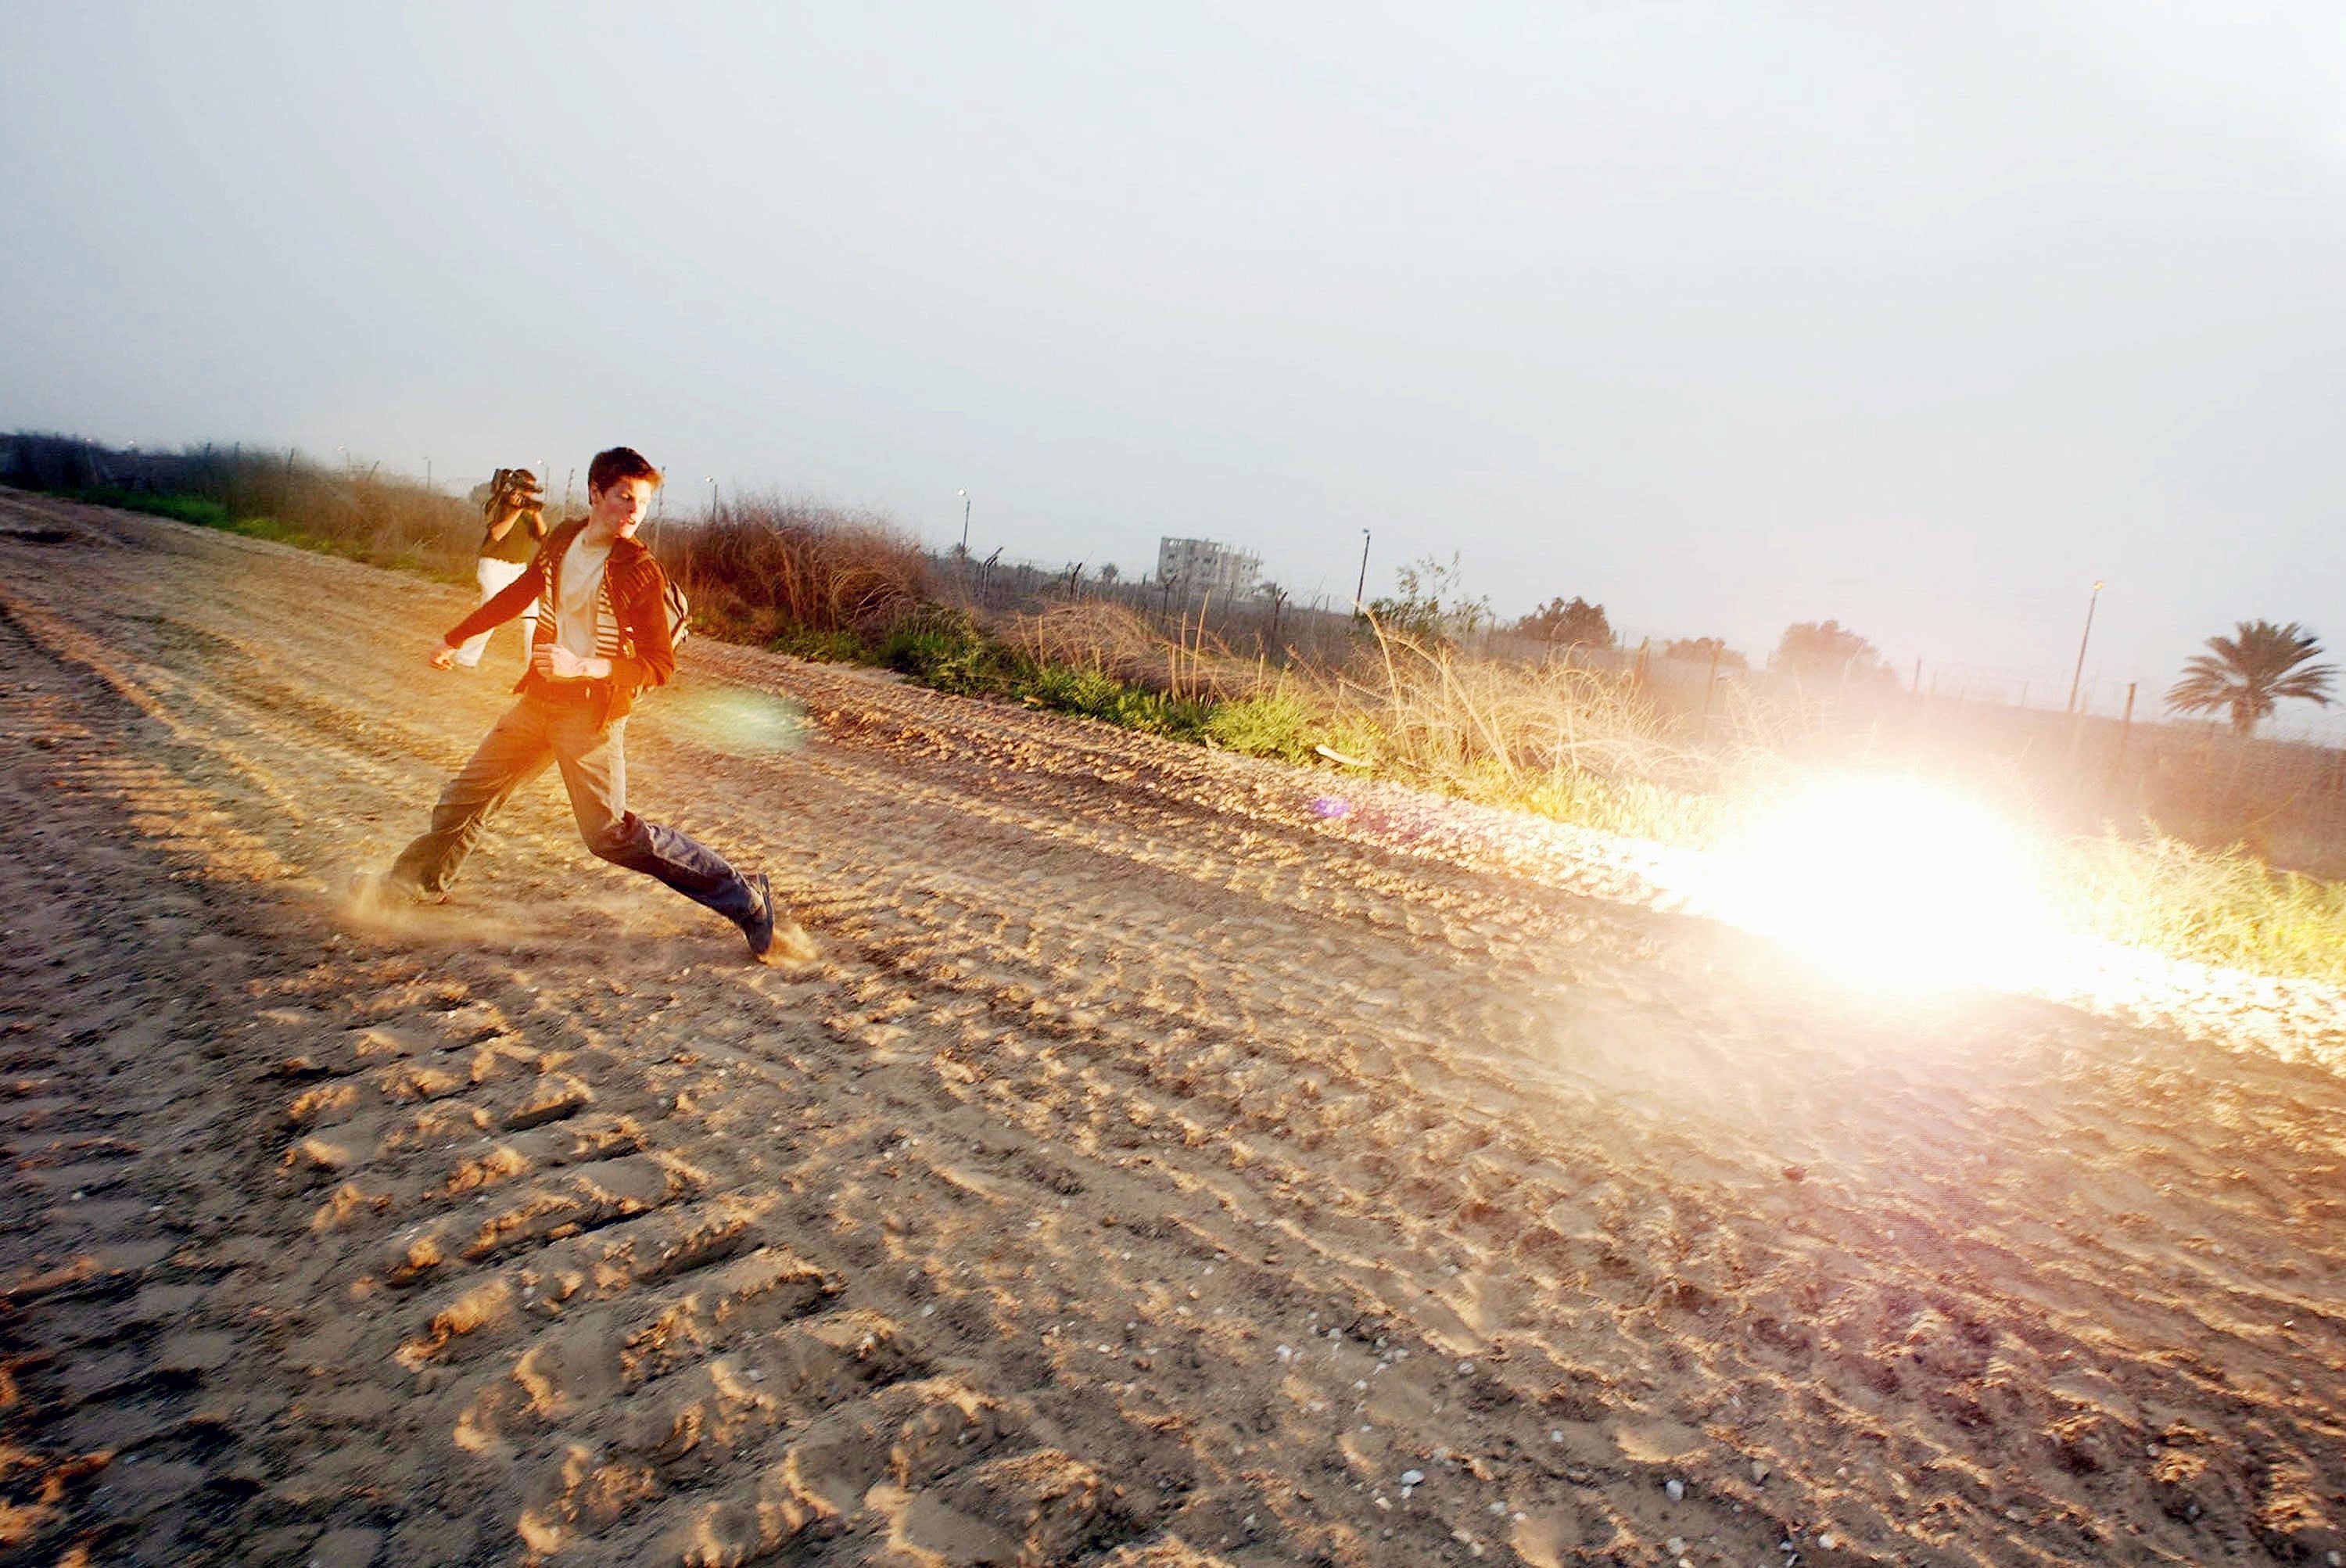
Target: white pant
<point>495,576</point>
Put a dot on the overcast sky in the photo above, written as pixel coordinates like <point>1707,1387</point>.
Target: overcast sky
<point>1918,316</point>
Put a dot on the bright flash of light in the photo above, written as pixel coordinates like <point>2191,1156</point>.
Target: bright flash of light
<point>738,723</point>
<point>1892,881</point>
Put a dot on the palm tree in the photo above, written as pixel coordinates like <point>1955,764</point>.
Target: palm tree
<point>2249,673</point>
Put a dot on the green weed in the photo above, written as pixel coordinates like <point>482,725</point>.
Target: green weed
<point>1277,726</point>
<point>842,647</point>
<point>943,647</point>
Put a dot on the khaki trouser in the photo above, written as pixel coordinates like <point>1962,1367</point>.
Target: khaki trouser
<point>561,729</point>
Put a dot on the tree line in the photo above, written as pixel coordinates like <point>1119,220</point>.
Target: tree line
<point>2243,677</point>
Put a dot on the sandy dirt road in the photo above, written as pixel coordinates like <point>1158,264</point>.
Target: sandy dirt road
<point>1152,1171</point>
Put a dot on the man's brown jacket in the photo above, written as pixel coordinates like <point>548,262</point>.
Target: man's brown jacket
<point>639,647</point>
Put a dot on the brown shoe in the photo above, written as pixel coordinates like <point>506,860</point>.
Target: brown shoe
<point>786,942</point>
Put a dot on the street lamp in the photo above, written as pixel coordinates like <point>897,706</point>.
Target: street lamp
<point>2078,674</point>
<point>1360,594</point>
<point>965,522</point>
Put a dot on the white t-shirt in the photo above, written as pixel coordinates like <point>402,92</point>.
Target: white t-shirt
<point>582,586</point>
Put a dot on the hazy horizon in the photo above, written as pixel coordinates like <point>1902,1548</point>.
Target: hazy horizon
<point>1725,317</point>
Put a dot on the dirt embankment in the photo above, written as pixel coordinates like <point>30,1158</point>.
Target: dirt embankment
<point>1153,1172</point>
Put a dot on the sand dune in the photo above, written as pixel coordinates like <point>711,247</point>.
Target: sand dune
<point>1152,1171</point>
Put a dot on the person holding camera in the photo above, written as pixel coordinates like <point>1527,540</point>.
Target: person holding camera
<point>513,523</point>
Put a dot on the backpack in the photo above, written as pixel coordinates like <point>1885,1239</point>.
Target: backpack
<point>679,611</point>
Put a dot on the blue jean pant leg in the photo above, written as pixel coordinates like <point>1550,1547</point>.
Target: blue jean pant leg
<point>517,750</point>
<point>593,762</point>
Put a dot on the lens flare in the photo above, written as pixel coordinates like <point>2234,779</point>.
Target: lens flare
<point>1892,881</point>
<point>736,723</point>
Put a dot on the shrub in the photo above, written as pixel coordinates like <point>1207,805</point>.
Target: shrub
<point>1278,725</point>
<point>793,564</point>
<point>40,460</point>
<point>844,647</point>
<point>1161,713</point>
<point>1430,603</point>
<point>1088,692</point>
<point>941,646</point>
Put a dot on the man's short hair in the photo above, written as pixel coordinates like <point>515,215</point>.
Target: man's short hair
<point>620,463</point>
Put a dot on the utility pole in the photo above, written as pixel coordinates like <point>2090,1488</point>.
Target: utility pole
<point>2079,672</point>
<point>964,523</point>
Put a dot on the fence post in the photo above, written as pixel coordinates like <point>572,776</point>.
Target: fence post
<point>1703,732</point>
<point>2126,728</point>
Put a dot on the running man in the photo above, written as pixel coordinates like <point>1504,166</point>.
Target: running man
<point>602,636</point>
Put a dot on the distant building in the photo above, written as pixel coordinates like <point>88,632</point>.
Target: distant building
<point>1200,566</point>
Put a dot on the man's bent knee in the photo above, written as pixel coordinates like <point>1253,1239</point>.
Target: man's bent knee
<point>620,841</point>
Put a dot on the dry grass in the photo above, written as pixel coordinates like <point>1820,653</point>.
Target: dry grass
<point>354,511</point>
<point>770,565</point>
<point>2220,907</point>
<point>1106,639</point>
<point>393,521</point>
<point>1582,745</point>
<point>1110,639</point>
